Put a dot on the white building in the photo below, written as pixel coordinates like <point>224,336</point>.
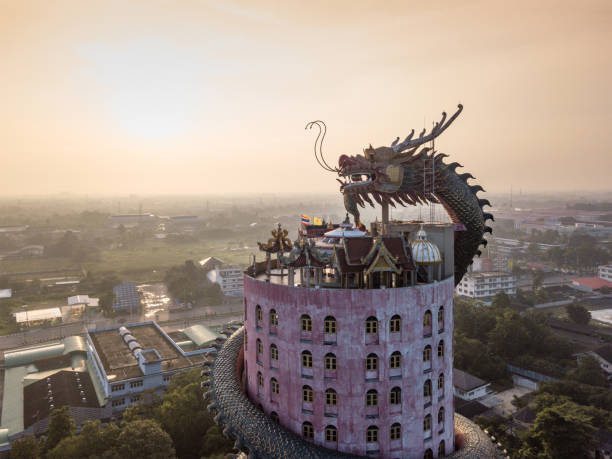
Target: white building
<point>125,361</point>
<point>605,272</point>
<point>229,278</point>
<point>467,386</point>
<point>486,284</point>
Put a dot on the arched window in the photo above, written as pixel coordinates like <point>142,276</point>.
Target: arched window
<point>306,359</point>
<point>259,379</point>
<point>274,386</point>
<point>371,362</point>
<point>330,361</point>
<point>395,361</point>
<point>427,423</point>
<point>306,323</point>
<point>259,349</point>
<point>273,319</point>
<point>441,449</point>
<point>427,354</point>
<point>371,326</point>
<point>372,434</point>
<point>307,430</point>
<point>427,389</point>
<point>258,315</point>
<point>427,319</point>
<point>330,325</point>
<point>441,318</point>
<point>395,324</point>
<point>274,416</point>
<point>428,454</point>
<point>307,394</point>
<point>273,354</point>
<point>331,434</point>
<point>331,397</point>
<point>441,382</point>
<point>441,348</point>
<point>372,398</point>
<point>396,431</point>
<point>441,417</point>
<point>395,396</point>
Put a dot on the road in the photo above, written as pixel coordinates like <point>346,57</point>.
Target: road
<point>211,316</point>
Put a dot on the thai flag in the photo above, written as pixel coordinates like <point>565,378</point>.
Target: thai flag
<point>305,218</point>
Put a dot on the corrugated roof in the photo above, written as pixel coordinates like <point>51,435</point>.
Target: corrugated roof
<point>202,336</point>
<point>38,314</point>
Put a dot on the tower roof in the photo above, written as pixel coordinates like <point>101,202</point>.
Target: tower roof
<point>425,252</point>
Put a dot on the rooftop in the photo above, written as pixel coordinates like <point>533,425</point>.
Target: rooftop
<point>63,388</point>
<point>488,274</point>
<point>117,357</point>
<point>38,314</point>
<point>594,283</point>
<point>465,381</point>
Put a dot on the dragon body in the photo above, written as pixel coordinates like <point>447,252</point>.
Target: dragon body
<point>405,174</point>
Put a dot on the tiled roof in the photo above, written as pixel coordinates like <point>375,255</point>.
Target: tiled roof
<point>466,381</point>
<point>594,283</point>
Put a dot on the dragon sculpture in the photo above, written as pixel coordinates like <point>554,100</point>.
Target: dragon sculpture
<point>395,175</point>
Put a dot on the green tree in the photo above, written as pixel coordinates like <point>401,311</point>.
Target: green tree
<point>578,314</point>
<point>563,430</point>
<point>501,300</point>
<point>214,443</point>
<point>26,447</point>
<point>93,441</point>
<point>61,426</point>
<point>588,372</point>
<point>144,438</point>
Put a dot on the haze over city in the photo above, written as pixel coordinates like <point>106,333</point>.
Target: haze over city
<point>207,96</point>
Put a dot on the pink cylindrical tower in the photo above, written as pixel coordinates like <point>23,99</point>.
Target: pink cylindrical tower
<point>367,371</point>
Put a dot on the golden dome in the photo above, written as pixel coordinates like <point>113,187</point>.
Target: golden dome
<point>425,252</point>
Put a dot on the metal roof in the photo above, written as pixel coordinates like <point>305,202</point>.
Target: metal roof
<point>202,336</point>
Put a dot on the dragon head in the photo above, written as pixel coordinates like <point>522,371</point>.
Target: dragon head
<point>391,174</point>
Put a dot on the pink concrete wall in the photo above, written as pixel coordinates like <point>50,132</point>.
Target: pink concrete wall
<point>351,308</point>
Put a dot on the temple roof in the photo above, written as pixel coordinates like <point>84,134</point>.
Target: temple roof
<point>373,254</point>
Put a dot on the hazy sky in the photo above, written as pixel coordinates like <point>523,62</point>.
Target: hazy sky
<point>211,96</point>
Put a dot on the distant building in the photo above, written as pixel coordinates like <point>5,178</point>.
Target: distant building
<point>486,284</point>
<point>130,220</point>
<point>605,272</point>
<point>29,251</point>
<point>125,361</point>
<point>497,263</point>
<point>6,293</point>
<point>96,376</point>
<point>467,386</point>
<point>229,277</point>
<point>83,300</point>
<point>127,298</point>
<point>590,284</point>
<point>603,355</point>
<point>38,316</point>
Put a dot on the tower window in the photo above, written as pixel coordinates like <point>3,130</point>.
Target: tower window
<point>273,318</point>
<point>330,325</point>
<point>307,430</point>
<point>395,325</point>
<point>372,362</point>
<point>258,314</point>
<point>441,348</point>
<point>274,386</point>
<point>427,423</point>
<point>395,361</point>
<point>372,398</point>
<point>306,323</point>
<point>396,431</point>
<point>427,354</point>
<point>331,397</point>
<point>273,352</point>
<point>371,326</point>
<point>306,359</point>
<point>441,416</point>
<point>372,434</point>
<point>307,394</point>
<point>427,319</point>
<point>330,362</point>
<point>259,379</point>
<point>395,396</point>
<point>427,389</point>
<point>331,434</point>
<point>441,382</point>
